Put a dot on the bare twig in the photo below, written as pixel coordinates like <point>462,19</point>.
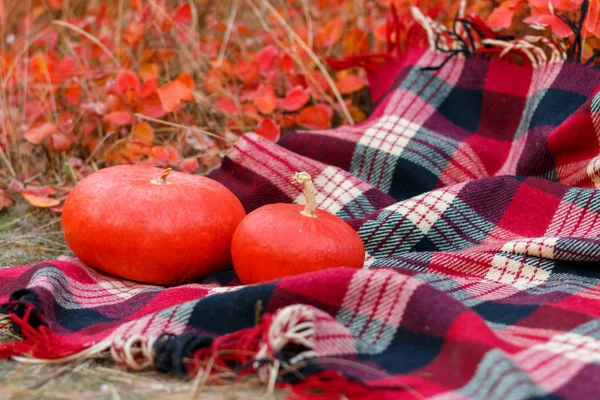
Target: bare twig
<point>230,23</point>
<point>175,125</point>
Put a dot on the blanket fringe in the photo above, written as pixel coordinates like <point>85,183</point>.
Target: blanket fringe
<point>469,36</point>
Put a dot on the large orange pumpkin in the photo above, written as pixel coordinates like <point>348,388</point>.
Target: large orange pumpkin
<point>279,240</point>
<point>141,223</point>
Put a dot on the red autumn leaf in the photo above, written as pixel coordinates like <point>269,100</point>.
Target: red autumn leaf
<point>119,118</point>
<point>60,142</point>
<point>160,153</point>
<point>73,93</point>
<point>113,103</point>
<point>189,165</point>
<point>136,5</point>
<point>327,108</point>
<point>297,80</point>
<point>40,201</point>
<point>209,46</point>
<point>268,129</point>
<point>287,64</point>
<point>227,105</point>
<point>138,148</point>
<point>331,32</point>
<point>320,79</point>
<point>380,32</point>
<point>173,94</point>
<point>143,132</point>
<point>5,201</point>
<point>128,86</point>
<point>149,87</point>
<point>350,84</point>
<point>502,16</point>
<point>246,71</point>
<point>182,14</point>
<point>127,80</point>
<point>151,107</point>
<point>265,99</point>
<point>133,32</point>
<point>38,134</point>
<point>296,98</point>
<point>212,81</point>
<point>43,191</point>
<point>67,66</point>
<point>356,42</point>
<point>559,27</point>
<point>148,71</point>
<point>250,110</point>
<point>165,154</point>
<point>314,117</point>
<point>243,29</point>
<point>287,120</point>
<point>266,57</point>
<point>55,5</point>
<point>188,81</point>
<point>592,21</point>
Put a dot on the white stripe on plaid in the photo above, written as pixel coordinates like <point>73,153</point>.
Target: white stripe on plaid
<point>518,273</point>
<point>469,291</point>
<point>539,247</point>
<point>373,307</point>
<point>571,345</point>
<point>426,209</point>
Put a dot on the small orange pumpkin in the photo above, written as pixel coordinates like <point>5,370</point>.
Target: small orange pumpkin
<point>279,240</point>
<point>161,227</point>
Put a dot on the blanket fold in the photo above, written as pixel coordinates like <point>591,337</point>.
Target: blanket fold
<point>473,188</point>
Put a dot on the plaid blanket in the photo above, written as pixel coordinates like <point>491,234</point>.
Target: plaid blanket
<point>473,189</point>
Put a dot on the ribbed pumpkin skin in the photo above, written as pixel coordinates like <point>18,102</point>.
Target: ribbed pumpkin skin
<point>276,241</point>
<point>118,221</point>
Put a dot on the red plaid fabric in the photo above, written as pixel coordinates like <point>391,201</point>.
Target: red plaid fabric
<point>474,191</point>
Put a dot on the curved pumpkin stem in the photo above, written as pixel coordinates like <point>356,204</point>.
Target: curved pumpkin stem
<point>309,192</point>
<point>162,180</point>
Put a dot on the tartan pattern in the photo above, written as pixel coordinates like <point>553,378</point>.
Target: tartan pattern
<point>474,191</point>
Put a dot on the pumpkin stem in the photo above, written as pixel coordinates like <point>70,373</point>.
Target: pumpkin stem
<point>162,180</point>
<point>309,192</point>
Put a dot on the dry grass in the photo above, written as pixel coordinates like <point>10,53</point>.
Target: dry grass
<point>100,379</point>
<point>28,235</point>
